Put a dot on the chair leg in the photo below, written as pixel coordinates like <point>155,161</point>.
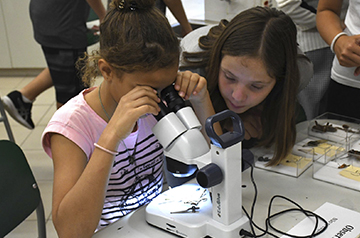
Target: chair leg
<point>4,119</point>
<point>40,214</point>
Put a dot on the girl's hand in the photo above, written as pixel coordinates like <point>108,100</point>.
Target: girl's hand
<point>191,86</point>
<point>136,103</point>
<point>347,49</point>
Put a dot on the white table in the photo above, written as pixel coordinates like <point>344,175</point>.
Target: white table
<point>304,190</point>
<point>307,192</point>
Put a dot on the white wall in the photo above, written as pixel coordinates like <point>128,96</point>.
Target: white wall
<point>5,61</point>
<point>18,48</point>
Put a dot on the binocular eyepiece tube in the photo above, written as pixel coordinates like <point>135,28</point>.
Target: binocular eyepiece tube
<point>173,102</point>
<point>177,130</point>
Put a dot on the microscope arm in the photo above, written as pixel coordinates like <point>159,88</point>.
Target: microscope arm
<point>220,172</point>
<point>179,132</point>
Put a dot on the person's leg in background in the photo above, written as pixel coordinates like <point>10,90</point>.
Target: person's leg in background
<point>38,85</point>
<point>19,103</point>
<point>61,73</point>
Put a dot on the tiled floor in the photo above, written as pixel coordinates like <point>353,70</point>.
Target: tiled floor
<point>29,140</point>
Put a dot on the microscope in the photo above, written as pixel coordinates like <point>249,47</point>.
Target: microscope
<point>213,207</point>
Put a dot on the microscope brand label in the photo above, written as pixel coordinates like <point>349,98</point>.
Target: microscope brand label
<point>218,206</point>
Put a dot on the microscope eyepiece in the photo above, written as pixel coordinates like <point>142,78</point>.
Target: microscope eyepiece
<point>172,98</point>
<point>163,111</point>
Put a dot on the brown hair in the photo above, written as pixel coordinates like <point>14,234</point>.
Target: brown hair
<point>134,36</point>
<point>270,35</point>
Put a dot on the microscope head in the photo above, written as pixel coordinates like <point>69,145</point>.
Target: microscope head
<point>178,131</point>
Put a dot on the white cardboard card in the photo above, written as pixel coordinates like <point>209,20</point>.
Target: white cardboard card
<point>342,223</point>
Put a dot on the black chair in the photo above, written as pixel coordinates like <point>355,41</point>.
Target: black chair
<point>19,192</point>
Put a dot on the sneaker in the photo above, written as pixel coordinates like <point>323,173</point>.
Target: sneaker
<point>18,109</point>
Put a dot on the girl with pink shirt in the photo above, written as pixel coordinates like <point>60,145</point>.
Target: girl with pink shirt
<point>107,162</point>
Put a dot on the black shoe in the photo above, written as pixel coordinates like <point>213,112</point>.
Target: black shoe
<point>18,109</point>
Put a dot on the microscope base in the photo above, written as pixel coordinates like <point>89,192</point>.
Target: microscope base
<point>170,211</point>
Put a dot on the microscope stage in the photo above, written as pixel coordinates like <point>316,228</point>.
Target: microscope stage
<point>186,211</point>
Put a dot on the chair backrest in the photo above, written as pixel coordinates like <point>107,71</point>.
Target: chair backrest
<point>19,192</point>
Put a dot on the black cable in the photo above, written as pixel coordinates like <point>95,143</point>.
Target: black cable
<point>268,219</point>
<point>306,213</point>
<point>252,223</point>
<point>254,199</point>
